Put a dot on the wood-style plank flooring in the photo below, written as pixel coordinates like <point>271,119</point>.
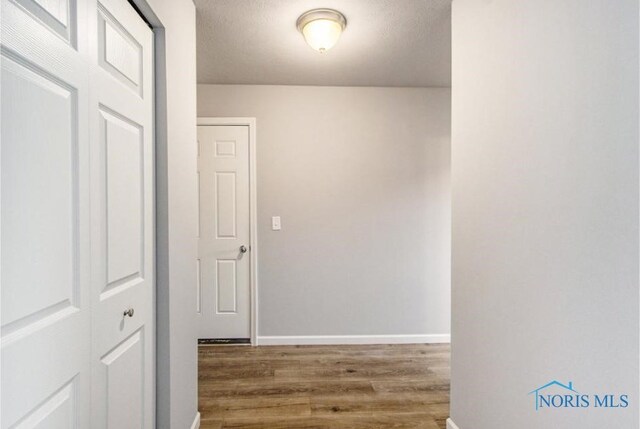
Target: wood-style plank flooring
<point>368,386</point>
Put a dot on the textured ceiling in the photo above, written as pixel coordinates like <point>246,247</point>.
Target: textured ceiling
<point>386,43</point>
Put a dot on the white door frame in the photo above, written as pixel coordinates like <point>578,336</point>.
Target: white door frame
<point>253,212</point>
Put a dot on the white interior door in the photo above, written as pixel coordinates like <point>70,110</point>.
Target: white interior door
<point>122,190</point>
<point>76,223</point>
<point>224,234</point>
<point>44,218</point>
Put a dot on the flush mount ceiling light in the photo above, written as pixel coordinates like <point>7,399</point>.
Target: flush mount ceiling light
<point>321,28</point>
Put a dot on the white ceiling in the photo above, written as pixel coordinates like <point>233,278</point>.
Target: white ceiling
<point>386,43</point>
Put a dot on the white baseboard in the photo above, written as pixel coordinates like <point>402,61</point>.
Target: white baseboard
<point>196,422</point>
<point>451,424</point>
<point>352,339</point>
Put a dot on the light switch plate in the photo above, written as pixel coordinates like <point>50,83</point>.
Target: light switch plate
<point>275,223</point>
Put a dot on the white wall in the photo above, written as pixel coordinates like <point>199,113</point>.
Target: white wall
<point>545,209</point>
<point>176,154</point>
<point>360,177</point>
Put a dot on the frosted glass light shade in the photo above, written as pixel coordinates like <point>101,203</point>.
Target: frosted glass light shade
<point>322,34</point>
<point>321,28</point>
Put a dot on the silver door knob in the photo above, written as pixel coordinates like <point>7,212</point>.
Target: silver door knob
<point>128,312</point>
<point>243,249</point>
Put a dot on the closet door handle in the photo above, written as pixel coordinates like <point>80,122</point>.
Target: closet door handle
<point>128,312</point>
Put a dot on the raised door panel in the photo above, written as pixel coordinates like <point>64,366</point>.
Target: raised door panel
<point>225,203</point>
<point>56,412</point>
<point>124,169</point>
<point>120,53</point>
<point>226,285</point>
<point>123,376</point>
<point>39,196</point>
<point>59,16</point>
<point>58,9</point>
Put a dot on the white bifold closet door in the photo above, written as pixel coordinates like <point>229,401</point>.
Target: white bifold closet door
<point>123,212</point>
<point>77,213</point>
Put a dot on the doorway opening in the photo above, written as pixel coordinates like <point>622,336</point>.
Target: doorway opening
<point>353,212</point>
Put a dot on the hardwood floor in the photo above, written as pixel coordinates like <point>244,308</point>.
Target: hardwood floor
<point>372,386</point>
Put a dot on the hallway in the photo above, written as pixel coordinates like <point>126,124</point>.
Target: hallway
<point>360,386</point>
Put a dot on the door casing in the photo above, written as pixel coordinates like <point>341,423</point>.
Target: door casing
<point>253,216</point>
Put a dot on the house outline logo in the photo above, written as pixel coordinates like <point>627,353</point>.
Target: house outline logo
<point>568,386</point>
<point>571,398</point>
